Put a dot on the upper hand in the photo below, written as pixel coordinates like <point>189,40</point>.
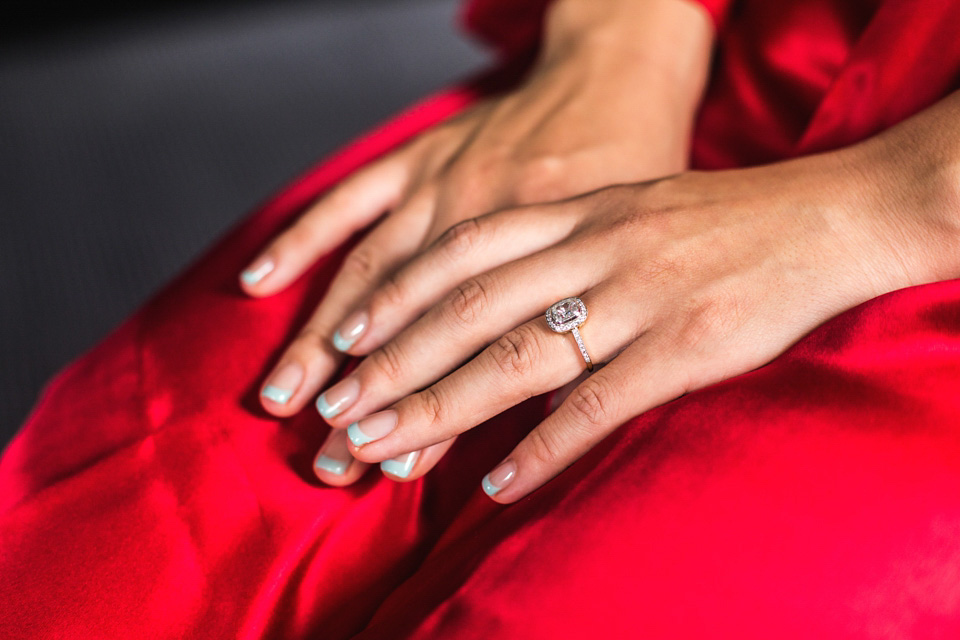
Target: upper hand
<point>688,281</point>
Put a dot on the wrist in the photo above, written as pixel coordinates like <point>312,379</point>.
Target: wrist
<point>906,190</point>
<point>637,40</point>
<point>923,157</point>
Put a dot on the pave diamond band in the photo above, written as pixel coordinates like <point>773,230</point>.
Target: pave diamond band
<point>566,316</point>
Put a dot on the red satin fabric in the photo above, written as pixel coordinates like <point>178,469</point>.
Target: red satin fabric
<point>148,495</point>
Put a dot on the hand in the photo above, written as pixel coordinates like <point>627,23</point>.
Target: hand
<point>611,99</point>
<point>688,281</point>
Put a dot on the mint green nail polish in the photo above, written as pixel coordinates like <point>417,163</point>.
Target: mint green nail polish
<point>374,427</point>
<point>326,410</point>
<point>357,437</point>
<point>488,487</point>
<point>278,395</point>
<point>256,274</point>
<point>400,466</point>
<point>500,477</point>
<point>338,398</point>
<point>336,467</point>
<point>351,330</point>
<point>341,343</point>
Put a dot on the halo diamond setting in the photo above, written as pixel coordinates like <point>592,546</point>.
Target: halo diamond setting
<point>565,317</point>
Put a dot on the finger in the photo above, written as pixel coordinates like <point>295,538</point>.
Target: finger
<point>410,466</point>
<point>528,361</point>
<point>644,376</point>
<point>334,464</point>
<point>476,313</point>
<point>311,358</point>
<point>465,250</point>
<point>350,206</point>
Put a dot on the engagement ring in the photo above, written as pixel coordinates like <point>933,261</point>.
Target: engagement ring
<point>566,316</point>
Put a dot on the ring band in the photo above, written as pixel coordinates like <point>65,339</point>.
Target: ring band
<point>566,316</point>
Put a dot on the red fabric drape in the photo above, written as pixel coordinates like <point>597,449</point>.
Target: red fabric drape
<point>148,495</point>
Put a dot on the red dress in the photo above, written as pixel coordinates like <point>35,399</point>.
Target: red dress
<point>149,496</point>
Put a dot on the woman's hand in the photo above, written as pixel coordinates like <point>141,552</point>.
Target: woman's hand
<point>610,100</point>
<point>688,281</point>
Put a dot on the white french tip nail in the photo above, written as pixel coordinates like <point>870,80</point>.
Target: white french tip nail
<point>488,487</point>
<point>400,466</point>
<point>330,465</point>
<point>357,437</point>
<point>253,276</point>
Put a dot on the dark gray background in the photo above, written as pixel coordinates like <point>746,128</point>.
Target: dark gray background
<point>129,143</point>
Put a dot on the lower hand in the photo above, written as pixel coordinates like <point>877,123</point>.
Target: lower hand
<point>611,99</point>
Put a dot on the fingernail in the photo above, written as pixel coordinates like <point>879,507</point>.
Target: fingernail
<point>336,467</point>
<point>255,272</point>
<point>350,331</point>
<point>338,397</point>
<point>334,457</point>
<point>499,478</point>
<point>373,427</point>
<point>283,384</point>
<point>401,466</point>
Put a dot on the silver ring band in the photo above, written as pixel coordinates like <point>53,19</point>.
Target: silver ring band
<point>583,349</point>
<point>566,316</point>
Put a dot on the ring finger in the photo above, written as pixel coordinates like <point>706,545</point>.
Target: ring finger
<point>475,314</point>
<point>527,361</point>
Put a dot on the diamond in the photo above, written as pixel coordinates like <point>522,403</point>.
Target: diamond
<point>566,315</point>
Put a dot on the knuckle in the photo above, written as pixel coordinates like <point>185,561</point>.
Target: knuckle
<point>591,403</point>
<point>361,263</point>
<point>516,354</point>
<point>461,238</point>
<point>430,405</point>
<point>696,332</point>
<point>469,300</point>
<point>472,176</point>
<point>709,322</point>
<point>545,446</point>
<point>541,179</point>
<point>478,167</point>
<point>388,360</point>
<point>391,294</point>
<point>310,339</point>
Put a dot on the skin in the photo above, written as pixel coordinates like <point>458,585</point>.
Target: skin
<point>689,280</point>
<point>568,128</point>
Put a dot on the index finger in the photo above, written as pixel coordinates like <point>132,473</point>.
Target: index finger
<point>350,206</point>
